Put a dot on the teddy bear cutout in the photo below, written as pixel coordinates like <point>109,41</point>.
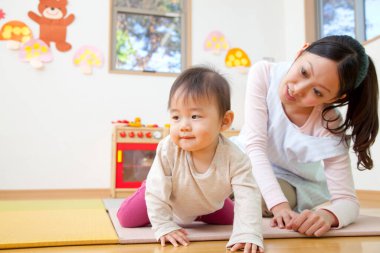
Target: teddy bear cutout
<point>53,23</point>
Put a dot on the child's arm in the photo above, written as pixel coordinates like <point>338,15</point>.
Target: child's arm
<point>247,227</point>
<point>157,196</point>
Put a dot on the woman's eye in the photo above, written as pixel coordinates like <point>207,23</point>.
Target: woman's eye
<point>317,92</point>
<point>304,72</point>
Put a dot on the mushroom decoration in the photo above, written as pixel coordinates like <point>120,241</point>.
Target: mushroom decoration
<point>237,58</point>
<point>16,33</point>
<point>88,57</point>
<point>216,42</point>
<point>36,52</point>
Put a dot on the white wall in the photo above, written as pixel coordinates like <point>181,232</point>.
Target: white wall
<point>370,179</point>
<point>55,125</point>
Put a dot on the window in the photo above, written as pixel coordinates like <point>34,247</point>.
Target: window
<point>150,36</point>
<point>357,18</point>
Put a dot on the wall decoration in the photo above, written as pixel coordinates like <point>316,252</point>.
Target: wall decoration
<point>88,57</point>
<point>53,23</point>
<point>15,33</point>
<point>36,52</point>
<point>216,42</point>
<point>237,58</point>
<point>2,14</point>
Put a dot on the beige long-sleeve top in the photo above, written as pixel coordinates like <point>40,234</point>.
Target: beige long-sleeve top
<point>176,192</point>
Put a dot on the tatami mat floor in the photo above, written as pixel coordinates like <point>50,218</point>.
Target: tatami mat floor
<point>309,245</point>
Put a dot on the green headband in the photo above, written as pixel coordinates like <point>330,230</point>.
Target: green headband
<point>363,63</point>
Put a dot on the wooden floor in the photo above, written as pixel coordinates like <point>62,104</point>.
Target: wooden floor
<point>309,245</point>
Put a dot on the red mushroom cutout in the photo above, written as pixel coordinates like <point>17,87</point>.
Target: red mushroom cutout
<point>36,52</point>
<point>237,58</point>
<point>16,33</point>
<point>2,14</point>
<point>216,42</point>
<point>88,57</point>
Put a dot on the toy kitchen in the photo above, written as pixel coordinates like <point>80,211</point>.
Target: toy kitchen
<point>133,150</point>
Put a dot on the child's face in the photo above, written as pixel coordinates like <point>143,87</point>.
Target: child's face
<point>195,125</point>
<point>312,80</point>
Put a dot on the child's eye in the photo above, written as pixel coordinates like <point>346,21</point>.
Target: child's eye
<point>175,117</point>
<point>195,116</point>
<point>317,92</point>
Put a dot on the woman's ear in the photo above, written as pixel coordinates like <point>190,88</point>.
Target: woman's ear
<point>227,120</point>
<point>306,45</point>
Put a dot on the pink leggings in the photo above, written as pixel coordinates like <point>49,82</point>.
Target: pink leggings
<point>133,212</point>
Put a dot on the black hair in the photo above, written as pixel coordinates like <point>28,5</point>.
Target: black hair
<point>198,82</point>
<point>358,91</point>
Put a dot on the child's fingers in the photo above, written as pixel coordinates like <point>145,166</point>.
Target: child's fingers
<point>181,238</point>
<point>172,240</point>
<point>184,231</point>
<point>237,246</point>
<point>162,239</point>
<point>248,247</point>
<point>261,250</point>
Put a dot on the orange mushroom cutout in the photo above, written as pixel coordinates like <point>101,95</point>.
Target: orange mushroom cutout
<point>237,58</point>
<point>88,57</point>
<point>36,52</point>
<point>15,33</point>
<point>216,42</point>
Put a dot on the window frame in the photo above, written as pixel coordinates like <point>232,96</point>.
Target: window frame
<point>314,20</point>
<point>185,16</point>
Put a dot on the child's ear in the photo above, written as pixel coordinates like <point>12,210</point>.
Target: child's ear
<point>228,118</point>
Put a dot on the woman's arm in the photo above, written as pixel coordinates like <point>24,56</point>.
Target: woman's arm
<point>255,133</point>
<point>344,203</point>
<point>344,207</point>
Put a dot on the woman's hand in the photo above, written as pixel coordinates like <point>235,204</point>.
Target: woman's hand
<point>282,215</point>
<point>314,223</point>
<point>175,237</point>
<point>248,248</point>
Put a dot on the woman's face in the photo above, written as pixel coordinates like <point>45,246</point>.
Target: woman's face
<point>312,80</point>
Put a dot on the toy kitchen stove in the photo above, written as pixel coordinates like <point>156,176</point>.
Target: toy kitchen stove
<point>133,151</point>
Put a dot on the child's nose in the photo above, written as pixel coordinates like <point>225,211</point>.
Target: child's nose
<point>185,126</point>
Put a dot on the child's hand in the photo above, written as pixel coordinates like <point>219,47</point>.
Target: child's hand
<point>314,223</point>
<point>248,248</point>
<point>282,216</point>
<point>175,237</point>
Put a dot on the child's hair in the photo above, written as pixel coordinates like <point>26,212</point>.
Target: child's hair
<point>199,82</point>
<point>358,82</point>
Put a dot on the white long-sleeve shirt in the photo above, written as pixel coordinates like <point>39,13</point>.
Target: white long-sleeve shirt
<point>311,158</point>
<point>176,192</point>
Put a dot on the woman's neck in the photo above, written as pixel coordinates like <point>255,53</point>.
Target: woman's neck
<point>297,115</point>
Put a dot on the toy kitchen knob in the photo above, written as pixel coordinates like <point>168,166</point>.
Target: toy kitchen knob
<point>131,134</point>
<point>140,134</point>
<point>148,135</point>
<point>122,134</point>
<point>157,134</point>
